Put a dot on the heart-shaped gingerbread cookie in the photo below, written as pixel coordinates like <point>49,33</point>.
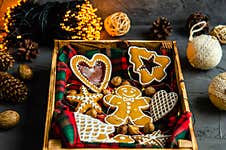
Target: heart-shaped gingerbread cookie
<point>94,73</point>
<point>162,103</point>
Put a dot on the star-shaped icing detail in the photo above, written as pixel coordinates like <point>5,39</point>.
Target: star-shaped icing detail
<point>85,100</point>
<point>149,64</point>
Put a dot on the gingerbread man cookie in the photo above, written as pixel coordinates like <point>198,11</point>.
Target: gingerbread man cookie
<point>129,105</point>
<point>148,64</point>
<point>85,100</point>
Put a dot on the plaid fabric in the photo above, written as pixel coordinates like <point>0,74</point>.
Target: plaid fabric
<point>64,124</point>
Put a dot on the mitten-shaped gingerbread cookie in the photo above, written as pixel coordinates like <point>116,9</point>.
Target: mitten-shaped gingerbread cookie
<point>129,104</point>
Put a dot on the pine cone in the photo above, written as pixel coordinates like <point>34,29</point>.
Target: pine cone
<point>161,28</point>
<point>195,18</point>
<point>12,89</point>
<point>27,50</point>
<point>6,61</point>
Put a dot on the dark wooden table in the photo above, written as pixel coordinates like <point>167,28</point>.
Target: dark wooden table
<point>209,122</point>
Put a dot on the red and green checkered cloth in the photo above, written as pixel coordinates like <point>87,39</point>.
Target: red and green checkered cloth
<point>64,124</point>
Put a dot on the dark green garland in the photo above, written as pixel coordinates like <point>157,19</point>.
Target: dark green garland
<point>40,23</point>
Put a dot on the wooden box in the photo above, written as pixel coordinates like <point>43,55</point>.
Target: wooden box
<point>54,144</point>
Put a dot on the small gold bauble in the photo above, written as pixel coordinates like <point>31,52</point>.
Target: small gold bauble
<point>217,91</point>
<point>117,24</point>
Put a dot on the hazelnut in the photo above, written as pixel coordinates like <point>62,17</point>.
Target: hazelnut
<point>149,91</point>
<point>116,81</point>
<point>122,129</point>
<point>92,112</point>
<point>133,129</point>
<point>126,82</point>
<point>149,128</point>
<point>72,92</point>
<point>106,91</point>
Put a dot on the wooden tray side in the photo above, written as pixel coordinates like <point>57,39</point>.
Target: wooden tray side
<point>185,103</point>
<point>51,96</point>
<point>54,144</point>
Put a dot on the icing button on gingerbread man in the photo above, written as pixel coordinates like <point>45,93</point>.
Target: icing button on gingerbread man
<point>129,104</point>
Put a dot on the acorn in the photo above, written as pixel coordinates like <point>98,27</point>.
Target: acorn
<point>9,119</point>
<point>150,91</point>
<point>92,112</point>
<point>116,81</point>
<point>122,129</point>
<point>133,129</point>
<point>25,72</point>
<point>149,128</point>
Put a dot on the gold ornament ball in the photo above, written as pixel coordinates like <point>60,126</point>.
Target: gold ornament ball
<point>117,24</point>
<point>217,91</point>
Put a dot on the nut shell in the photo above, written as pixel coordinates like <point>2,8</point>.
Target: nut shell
<point>149,91</point>
<point>9,119</point>
<point>149,128</point>
<point>92,112</point>
<point>116,81</point>
<point>132,130</point>
<point>123,129</point>
<point>25,72</point>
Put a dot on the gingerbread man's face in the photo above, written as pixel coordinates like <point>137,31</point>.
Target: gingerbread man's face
<point>128,91</point>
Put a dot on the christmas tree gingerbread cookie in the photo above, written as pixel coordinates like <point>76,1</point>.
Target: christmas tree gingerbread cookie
<point>129,105</point>
<point>148,64</point>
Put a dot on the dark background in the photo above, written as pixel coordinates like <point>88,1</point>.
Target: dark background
<point>209,122</point>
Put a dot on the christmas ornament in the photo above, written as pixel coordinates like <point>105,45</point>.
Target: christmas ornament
<point>25,72</point>
<point>204,51</point>
<point>117,24</point>
<point>6,61</point>
<point>217,91</point>
<point>9,119</point>
<point>161,28</point>
<point>27,50</point>
<point>219,32</point>
<point>12,89</point>
<point>195,18</point>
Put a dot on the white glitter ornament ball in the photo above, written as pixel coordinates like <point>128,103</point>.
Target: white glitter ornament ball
<point>204,52</point>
